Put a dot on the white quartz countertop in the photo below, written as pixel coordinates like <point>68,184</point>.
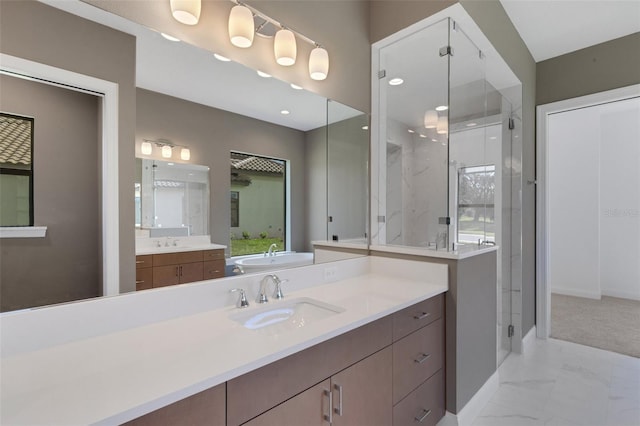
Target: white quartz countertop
<point>118,376</point>
<point>177,249</point>
<point>462,252</point>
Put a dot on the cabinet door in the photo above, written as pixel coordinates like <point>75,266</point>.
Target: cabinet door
<point>362,392</point>
<point>190,272</point>
<point>166,275</point>
<point>310,408</point>
<point>144,278</point>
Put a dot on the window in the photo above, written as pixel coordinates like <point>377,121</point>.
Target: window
<point>476,203</point>
<point>259,221</point>
<point>16,170</point>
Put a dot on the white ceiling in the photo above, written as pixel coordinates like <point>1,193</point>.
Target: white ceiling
<point>552,28</point>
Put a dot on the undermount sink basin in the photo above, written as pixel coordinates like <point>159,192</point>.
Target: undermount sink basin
<point>280,316</point>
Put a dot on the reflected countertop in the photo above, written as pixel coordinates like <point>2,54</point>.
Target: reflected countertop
<point>462,251</point>
<point>159,245</point>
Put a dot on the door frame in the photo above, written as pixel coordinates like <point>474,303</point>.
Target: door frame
<point>107,93</point>
<point>543,291</point>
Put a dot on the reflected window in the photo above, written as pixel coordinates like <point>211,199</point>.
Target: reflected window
<point>259,221</point>
<point>476,203</point>
<point>16,170</point>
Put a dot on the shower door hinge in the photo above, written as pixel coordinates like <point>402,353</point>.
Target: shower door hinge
<point>382,74</point>
<point>446,50</point>
<point>510,330</point>
<point>381,219</point>
<point>512,124</point>
<point>444,220</point>
<point>330,218</point>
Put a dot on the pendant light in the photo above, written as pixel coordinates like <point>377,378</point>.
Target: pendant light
<point>430,119</point>
<point>318,63</point>
<point>146,148</point>
<point>185,154</point>
<point>284,47</point>
<point>443,125</point>
<point>241,26</point>
<point>166,151</point>
<point>186,11</point>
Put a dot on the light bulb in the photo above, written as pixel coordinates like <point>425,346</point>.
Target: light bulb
<point>241,26</point>
<point>284,47</point>
<point>430,119</point>
<point>146,148</point>
<point>166,151</point>
<point>319,64</point>
<point>185,154</point>
<point>443,125</point>
<point>186,11</point>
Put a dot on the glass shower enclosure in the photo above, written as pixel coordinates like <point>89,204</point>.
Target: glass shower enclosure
<point>448,154</point>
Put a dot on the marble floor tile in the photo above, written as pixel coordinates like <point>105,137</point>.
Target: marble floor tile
<point>557,383</point>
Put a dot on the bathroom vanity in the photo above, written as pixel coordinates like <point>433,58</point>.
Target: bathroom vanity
<point>192,346</point>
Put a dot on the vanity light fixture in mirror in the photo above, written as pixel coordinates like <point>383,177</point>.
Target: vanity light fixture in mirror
<point>166,146</point>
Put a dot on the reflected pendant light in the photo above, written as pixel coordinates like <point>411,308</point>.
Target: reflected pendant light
<point>185,154</point>
<point>430,119</point>
<point>318,64</point>
<point>443,125</point>
<point>146,148</point>
<point>241,26</point>
<point>284,47</point>
<point>166,151</point>
<point>186,11</point>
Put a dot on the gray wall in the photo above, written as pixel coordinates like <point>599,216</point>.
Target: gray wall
<point>316,183</point>
<point>598,68</point>
<point>211,134</point>
<point>65,265</point>
<point>390,16</point>
<point>40,33</point>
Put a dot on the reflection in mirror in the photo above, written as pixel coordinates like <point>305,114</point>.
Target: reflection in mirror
<point>16,170</point>
<point>172,199</point>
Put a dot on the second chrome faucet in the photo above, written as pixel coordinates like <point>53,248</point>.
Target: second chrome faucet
<point>277,293</point>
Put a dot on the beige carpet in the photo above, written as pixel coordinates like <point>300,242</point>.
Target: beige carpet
<point>610,323</point>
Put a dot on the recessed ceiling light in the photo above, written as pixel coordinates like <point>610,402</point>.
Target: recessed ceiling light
<point>168,37</point>
<point>170,164</point>
<point>263,74</point>
<point>295,86</point>
<point>410,131</point>
<point>442,108</point>
<point>285,112</point>
<point>434,140</point>
<point>365,127</point>
<point>471,124</point>
<point>493,138</point>
<point>221,58</point>
<point>423,136</point>
<point>396,81</point>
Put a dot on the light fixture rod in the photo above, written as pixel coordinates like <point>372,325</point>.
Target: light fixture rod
<point>256,12</point>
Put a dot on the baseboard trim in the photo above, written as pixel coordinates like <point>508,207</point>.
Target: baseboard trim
<point>529,340</point>
<point>621,294</point>
<point>576,293</point>
<point>473,408</point>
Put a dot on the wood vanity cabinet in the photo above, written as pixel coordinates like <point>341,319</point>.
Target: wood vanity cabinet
<point>161,270</point>
<point>144,272</point>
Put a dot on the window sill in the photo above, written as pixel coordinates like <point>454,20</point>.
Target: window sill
<point>23,231</point>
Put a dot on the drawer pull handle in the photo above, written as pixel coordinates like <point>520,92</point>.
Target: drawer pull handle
<point>425,414</point>
<point>139,262</point>
<point>329,417</point>
<point>139,282</point>
<point>422,358</point>
<point>422,316</point>
<point>338,409</point>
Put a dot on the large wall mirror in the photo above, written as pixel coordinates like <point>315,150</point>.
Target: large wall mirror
<point>184,94</point>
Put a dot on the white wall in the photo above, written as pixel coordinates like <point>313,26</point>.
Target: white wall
<point>594,200</point>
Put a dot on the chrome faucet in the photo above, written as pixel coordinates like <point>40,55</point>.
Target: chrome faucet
<point>262,296</point>
<point>272,249</point>
<point>242,300</point>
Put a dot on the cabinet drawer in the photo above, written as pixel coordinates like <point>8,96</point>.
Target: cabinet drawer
<point>412,318</point>
<point>177,258</point>
<point>144,261</point>
<point>166,275</point>
<point>217,254</point>
<point>416,357</point>
<point>424,406</point>
<point>214,269</point>
<point>144,278</point>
